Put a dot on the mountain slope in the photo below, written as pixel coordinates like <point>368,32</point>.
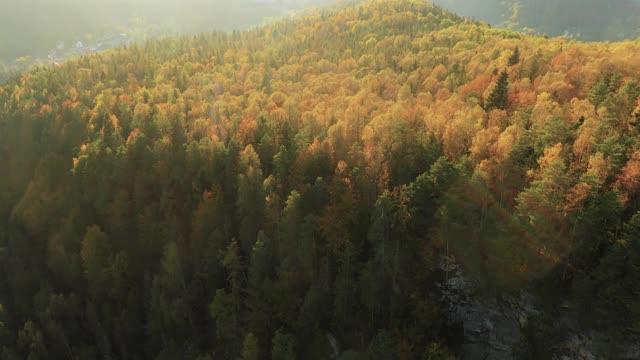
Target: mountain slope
<point>289,192</point>
<point>33,28</point>
<point>590,20</point>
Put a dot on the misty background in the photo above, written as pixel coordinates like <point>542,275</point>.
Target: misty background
<point>44,31</point>
<point>35,27</point>
<point>587,20</point>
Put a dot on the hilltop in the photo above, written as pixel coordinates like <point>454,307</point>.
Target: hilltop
<point>39,32</point>
<point>33,28</point>
<point>294,190</point>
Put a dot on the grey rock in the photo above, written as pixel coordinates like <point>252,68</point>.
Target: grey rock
<point>495,329</point>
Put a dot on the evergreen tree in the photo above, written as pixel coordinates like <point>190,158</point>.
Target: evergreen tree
<point>282,347</point>
<point>600,91</point>
<point>250,349</point>
<point>498,99</point>
<point>515,57</point>
<point>259,287</point>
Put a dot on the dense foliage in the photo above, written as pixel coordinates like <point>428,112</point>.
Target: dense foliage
<point>268,194</point>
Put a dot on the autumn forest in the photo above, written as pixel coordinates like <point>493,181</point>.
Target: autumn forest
<point>308,189</point>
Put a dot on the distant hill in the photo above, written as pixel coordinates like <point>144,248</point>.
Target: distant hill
<point>592,20</point>
<point>32,28</point>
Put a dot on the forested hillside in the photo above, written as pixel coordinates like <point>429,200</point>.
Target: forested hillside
<point>290,192</point>
<point>32,28</point>
<point>37,32</point>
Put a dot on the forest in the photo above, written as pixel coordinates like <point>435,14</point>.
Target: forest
<point>291,191</point>
<point>31,30</point>
<point>33,27</point>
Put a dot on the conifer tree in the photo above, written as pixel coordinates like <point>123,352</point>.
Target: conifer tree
<point>282,347</point>
<point>498,98</point>
<point>250,348</point>
<point>515,57</point>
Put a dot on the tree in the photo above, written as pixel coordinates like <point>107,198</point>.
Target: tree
<point>604,89</point>
<point>227,322</point>
<point>226,307</point>
<point>31,340</point>
<point>96,254</point>
<point>345,286</point>
<point>436,352</point>
<point>599,92</point>
<point>498,99</point>
<point>541,208</point>
<point>515,57</point>
<point>250,349</point>
<point>387,235</point>
<point>250,201</point>
<point>260,287</point>
<point>169,312</point>
<point>4,331</point>
<point>282,346</point>
<point>207,242</point>
<point>612,286</point>
<point>383,345</point>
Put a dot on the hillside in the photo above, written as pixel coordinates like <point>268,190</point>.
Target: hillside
<point>293,191</point>
<point>41,32</point>
<point>34,27</point>
<point>590,20</point>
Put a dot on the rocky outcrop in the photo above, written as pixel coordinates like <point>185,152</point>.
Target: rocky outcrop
<point>497,329</point>
<point>490,329</point>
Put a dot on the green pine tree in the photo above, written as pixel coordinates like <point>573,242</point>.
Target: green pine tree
<point>498,98</point>
<point>250,348</point>
<point>600,92</point>
<point>282,345</point>
<point>515,57</point>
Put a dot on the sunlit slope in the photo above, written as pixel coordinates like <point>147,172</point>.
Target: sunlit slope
<point>34,28</point>
<point>230,191</point>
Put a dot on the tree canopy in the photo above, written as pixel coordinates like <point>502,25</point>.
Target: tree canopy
<point>267,194</point>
